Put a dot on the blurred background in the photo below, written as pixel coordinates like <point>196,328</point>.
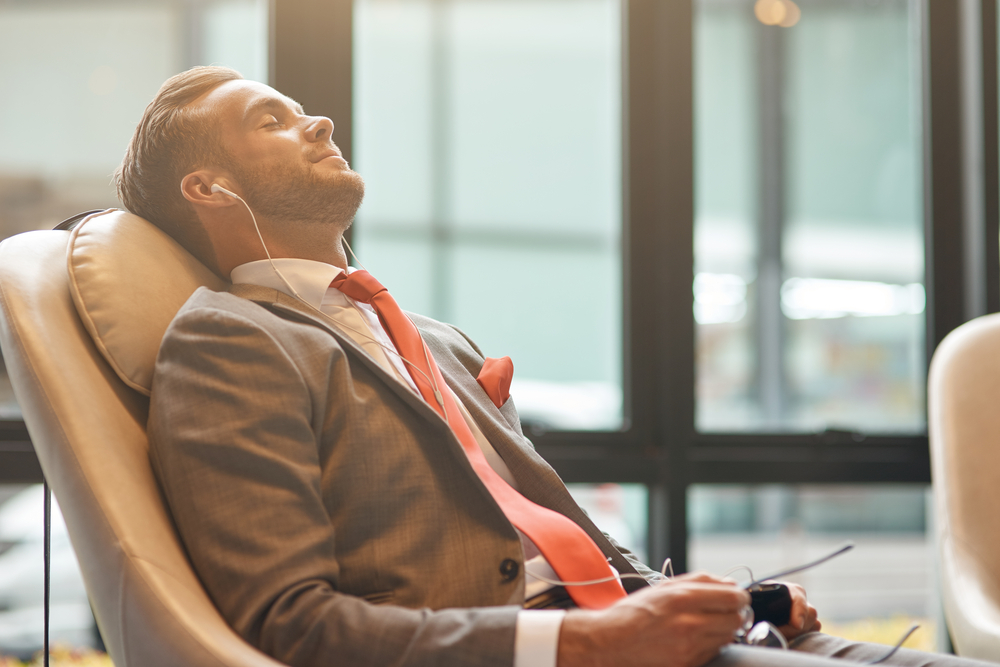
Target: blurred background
<point>491,135</point>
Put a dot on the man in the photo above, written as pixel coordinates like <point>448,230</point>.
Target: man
<point>342,499</point>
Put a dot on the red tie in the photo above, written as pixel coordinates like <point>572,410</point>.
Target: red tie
<point>566,547</point>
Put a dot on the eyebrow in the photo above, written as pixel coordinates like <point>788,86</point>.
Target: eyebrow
<point>269,104</point>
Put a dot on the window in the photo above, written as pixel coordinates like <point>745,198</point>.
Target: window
<point>488,134</point>
<point>809,257</point>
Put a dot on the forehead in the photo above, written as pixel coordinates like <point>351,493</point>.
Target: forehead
<point>235,102</point>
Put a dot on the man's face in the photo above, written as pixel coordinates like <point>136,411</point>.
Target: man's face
<point>284,161</point>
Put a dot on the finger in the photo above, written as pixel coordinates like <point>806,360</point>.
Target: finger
<point>812,619</point>
<point>678,587</point>
<point>810,624</point>
<point>721,624</point>
<point>703,576</point>
<point>706,627</point>
<point>718,628</point>
<point>798,615</point>
<point>800,606</point>
<point>707,597</point>
<point>789,631</point>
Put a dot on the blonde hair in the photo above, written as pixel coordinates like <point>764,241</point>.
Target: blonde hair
<point>171,141</point>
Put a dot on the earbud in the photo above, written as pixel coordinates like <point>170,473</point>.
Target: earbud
<point>218,188</point>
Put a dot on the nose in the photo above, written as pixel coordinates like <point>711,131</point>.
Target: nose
<point>319,128</point>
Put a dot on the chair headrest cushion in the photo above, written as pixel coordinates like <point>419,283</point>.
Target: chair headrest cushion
<point>128,280</point>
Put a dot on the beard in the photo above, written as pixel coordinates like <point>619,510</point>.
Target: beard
<point>298,194</point>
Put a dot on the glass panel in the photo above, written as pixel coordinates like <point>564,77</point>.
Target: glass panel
<point>870,593</point>
<point>488,133</point>
<point>808,294</point>
<point>619,510</point>
<point>72,97</point>
<point>21,578</point>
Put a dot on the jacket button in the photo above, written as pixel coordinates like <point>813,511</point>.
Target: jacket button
<point>509,569</point>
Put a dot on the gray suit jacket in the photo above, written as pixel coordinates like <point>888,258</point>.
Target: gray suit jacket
<point>330,513</point>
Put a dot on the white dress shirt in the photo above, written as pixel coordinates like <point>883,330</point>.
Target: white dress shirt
<point>536,641</point>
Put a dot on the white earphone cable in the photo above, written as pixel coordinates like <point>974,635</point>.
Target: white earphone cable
<point>432,381</point>
<point>351,250</point>
<point>218,188</point>
<point>667,565</point>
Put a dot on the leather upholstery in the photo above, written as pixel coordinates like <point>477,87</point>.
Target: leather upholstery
<point>125,300</point>
<point>88,428</point>
<point>964,430</point>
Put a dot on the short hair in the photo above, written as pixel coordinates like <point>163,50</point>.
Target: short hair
<point>171,141</point>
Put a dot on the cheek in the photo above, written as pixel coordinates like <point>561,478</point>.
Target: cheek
<point>272,148</point>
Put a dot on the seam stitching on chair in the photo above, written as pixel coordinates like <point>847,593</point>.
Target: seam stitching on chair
<point>84,313</point>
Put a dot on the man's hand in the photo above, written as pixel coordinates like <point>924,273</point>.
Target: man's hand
<point>681,623</point>
<point>803,618</point>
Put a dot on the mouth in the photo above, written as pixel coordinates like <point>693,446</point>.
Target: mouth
<point>328,154</point>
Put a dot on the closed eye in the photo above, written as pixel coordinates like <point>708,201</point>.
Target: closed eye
<point>270,121</point>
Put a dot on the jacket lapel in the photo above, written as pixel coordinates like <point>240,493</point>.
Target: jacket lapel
<point>291,307</point>
<point>537,480</point>
<point>535,477</point>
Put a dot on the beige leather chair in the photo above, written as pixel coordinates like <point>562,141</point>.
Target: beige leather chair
<point>82,314</point>
<point>964,429</point>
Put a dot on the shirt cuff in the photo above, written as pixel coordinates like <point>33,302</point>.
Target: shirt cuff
<point>536,641</point>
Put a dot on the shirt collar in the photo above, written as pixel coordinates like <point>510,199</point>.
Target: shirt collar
<point>307,277</point>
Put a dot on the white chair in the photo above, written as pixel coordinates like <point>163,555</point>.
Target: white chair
<point>964,429</point>
<point>82,314</point>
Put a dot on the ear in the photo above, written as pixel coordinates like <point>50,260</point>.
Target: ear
<point>197,189</point>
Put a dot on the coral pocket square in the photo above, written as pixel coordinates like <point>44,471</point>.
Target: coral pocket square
<point>495,379</point>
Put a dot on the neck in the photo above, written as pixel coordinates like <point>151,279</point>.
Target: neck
<point>315,241</point>
<point>328,251</point>
<point>318,241</point>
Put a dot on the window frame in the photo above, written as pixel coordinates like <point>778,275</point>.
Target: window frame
<point>661,446</point>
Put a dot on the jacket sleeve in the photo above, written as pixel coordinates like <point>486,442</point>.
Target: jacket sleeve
<point>233,444</point>
<point>648,573</point>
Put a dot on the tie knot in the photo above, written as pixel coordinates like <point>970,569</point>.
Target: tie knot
<point>360,285</point>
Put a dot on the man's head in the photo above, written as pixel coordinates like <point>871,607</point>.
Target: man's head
<point>209,125</point>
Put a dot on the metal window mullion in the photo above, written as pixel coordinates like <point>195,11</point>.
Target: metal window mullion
<point>311,60</point>
<point>991,153</point>
<point>960,158</point>
<point>770,320</point>
<point>660,190</point>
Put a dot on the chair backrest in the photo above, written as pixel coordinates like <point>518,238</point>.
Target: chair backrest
<point>80,370</point>
<point>964,428</point>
